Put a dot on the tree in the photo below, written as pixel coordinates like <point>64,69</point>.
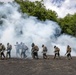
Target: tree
<point>37,9</point>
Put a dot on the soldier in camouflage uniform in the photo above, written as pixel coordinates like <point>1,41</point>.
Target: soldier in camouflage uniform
<point>34,51</point>
<point>57,52</point>
<point>68,52</point>
<point>44,52</point>
<point>2,49</point>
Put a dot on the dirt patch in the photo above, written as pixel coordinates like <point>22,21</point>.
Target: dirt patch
<point>41,66</point>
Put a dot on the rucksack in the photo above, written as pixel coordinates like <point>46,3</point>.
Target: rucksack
<point>3,47</point>
<point>26,48</point>
<point>46,49</point>
<point>36,48</point>
<point>0,47</point>
<point>9,47</point>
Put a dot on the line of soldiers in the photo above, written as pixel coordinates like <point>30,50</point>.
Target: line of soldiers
<point>68,52</point>
<point>23,49</point>
<point>8,49</point>
<point>34,51</point>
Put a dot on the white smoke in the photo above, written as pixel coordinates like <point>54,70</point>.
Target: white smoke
<point>6,1</point>
<point>67,6</point>
<point>18,27</point>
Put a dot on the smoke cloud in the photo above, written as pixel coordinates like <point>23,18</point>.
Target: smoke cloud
<point>6,1</point>
<point>18,27</point>
<point>62,7</point>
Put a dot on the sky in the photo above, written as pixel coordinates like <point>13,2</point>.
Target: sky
<point>67,6</point>
<point>6,0</point>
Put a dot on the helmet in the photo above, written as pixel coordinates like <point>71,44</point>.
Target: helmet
<point>42,45</point>
<point>33,44</point>
<point>54,46</point>
<point>7,43</point>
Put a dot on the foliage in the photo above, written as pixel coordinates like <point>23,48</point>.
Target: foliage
<point>37,9</point>
<point>68,24</point>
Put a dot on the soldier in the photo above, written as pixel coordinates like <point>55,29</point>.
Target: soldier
<point>68,52</point>
<point>21,48</point>
<point>34,50</point>
<point>57,50</point>
<point>9,48</point>
<point>23,52</point>
<point>44,52</point>
<point>17,46</point>
<point>2,49</point>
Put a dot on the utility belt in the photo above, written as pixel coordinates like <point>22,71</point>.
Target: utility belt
<point>8,50</point>
<point>56,52</point>
<point>23,51</point>
<point>34,51</point>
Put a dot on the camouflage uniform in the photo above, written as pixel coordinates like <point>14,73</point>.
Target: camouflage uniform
<point>34,51</point>
<point>9,48</point>
<point>68,52</point>
<point>57,50</point>
<point>44,51</point>
<point>2,49</point>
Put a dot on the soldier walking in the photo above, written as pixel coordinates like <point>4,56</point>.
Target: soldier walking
<point>57,52</point>
<point>44,52</point>
<point>68,52</point>
<point>9,48</point>
<point>34,51</point>
<point>2,49</point>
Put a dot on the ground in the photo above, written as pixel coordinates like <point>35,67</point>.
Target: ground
<point>41,66</point>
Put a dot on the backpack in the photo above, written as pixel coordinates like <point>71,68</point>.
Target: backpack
<point>36,48</point>
<point>26,48</point>
<point>0,47</point>
<point>3,47</point>
<point>10,46</point>
<point>45,49</point>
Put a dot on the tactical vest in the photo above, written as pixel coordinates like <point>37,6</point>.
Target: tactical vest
<point>68,49</point>
<point>44,49</point>
<point>35,48</point>
<point>9,47</point>
<point>57,50</point>
<point>1,47</point>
